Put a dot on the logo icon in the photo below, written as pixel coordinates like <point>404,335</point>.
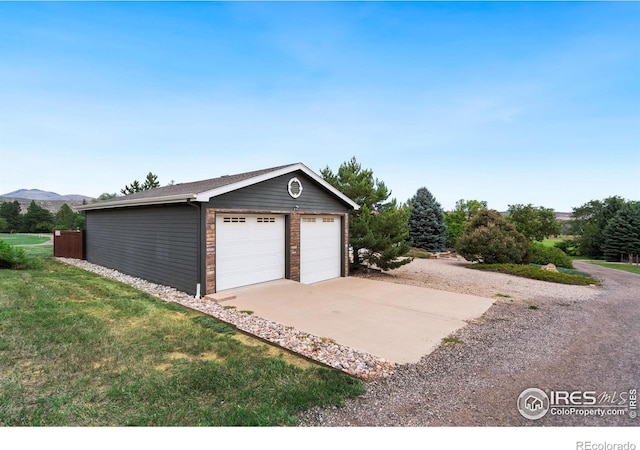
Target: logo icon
<point>533,403</point>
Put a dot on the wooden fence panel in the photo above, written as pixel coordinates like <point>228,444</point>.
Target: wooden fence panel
<point>68,244</point>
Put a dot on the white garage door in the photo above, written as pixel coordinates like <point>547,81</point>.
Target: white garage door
<point>249,249</point>
<point>320,248</point>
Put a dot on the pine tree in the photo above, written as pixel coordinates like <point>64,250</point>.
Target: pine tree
<point>492,239</point>
<point>378,230</point>
<point>150,182</point>
<point>65,218</point>
<point>427,225</point>
<point>37,219</point>
<point>622,233</point>
<point>11,213</point>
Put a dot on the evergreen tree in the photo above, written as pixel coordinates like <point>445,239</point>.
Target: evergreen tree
<point>132,188</point>
<point>622,234</point>
<point>589,222</point>
<point>378,231</point>
<point>427,227</point>
<point>37,219</point>
<point>150,182</point>
<point>66,218</point>
<point>10,211</point>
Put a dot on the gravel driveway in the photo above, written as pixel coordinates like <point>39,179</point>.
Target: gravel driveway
<point>545,335</point>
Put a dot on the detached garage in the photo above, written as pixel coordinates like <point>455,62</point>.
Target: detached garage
<point>226,232</point>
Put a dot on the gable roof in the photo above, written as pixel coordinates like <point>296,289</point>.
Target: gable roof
<point>203,191</point>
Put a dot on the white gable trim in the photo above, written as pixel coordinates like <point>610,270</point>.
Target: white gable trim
<point>207,195</point>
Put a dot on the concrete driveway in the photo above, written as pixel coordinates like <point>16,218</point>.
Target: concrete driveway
<point>397,322</point>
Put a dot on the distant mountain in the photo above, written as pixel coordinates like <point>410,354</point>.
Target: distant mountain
<point>37,194</point>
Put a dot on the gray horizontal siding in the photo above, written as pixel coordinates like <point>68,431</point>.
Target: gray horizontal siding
<point>273,195</point>
<point>156,243</point>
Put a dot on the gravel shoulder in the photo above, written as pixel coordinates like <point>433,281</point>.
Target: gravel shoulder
<point>575,338</point>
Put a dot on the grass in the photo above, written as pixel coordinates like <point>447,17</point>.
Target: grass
<point>617,266</point>
<point>24,239</point>
<point>80,350</point>
<point>527,271</point>
<point>451,340</point>
<point>550,242</point>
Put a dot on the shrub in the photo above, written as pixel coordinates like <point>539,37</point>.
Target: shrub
<point>536,273</point>
<point>541,254</point>
<point>490,238</point>
<point>11,257</point>
<point>569,246</point>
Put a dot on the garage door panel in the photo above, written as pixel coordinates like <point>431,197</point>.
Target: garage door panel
<point>320,248</point>
<point>250,249</point>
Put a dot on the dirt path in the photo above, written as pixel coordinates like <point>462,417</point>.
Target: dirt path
<point>563,343</point>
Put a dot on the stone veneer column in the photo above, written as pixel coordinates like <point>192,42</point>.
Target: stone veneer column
<point>211,251</point>
<point>294,246</point>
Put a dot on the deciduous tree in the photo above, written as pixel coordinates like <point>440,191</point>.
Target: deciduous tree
<point>536,223</point>
<point>458,219</point>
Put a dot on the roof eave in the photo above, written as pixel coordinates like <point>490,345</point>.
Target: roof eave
<point>180,198</point>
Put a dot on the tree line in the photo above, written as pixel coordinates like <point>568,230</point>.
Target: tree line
<point>37,219</point>
<point>383,231</point>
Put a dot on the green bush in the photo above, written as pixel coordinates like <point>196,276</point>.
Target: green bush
<point>570,247</point>
<point>541,254</point>
<point>491,239</point>
<point>11,257</point>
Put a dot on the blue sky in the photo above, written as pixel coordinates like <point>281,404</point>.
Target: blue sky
<point>504,102</point>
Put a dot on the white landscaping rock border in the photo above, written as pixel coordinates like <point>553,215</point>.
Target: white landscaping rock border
<point>325,351</point>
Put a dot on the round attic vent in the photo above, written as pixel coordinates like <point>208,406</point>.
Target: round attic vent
<point>294,187</point>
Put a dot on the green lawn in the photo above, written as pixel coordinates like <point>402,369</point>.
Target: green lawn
<point>551,242</point>
<point>617,266</point>
<point>24,239</point>
<point>80,350</point>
